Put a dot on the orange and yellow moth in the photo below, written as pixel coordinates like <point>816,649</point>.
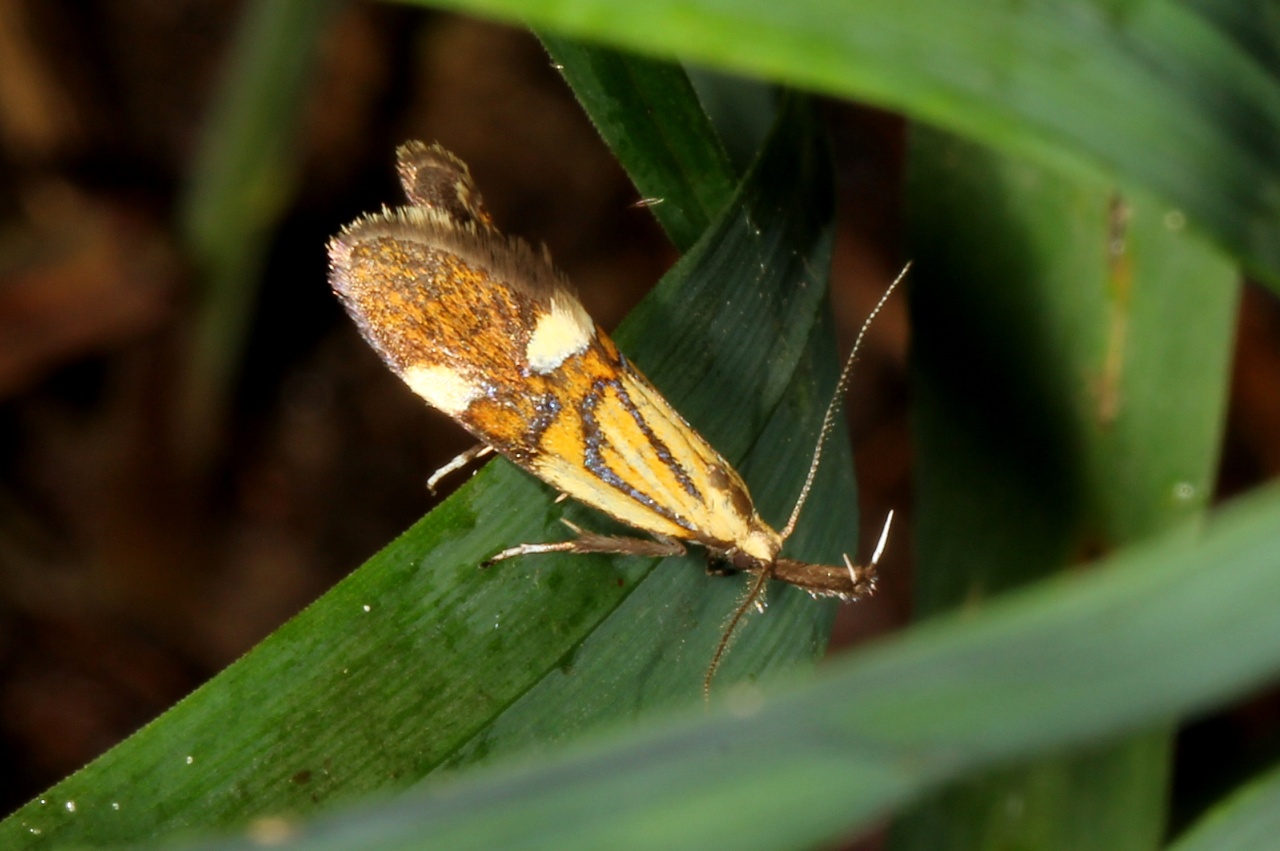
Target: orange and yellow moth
<point>487,330</point>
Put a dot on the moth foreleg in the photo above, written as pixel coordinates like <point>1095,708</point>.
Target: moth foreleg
<point>461,460</point>
<point>590,542</point>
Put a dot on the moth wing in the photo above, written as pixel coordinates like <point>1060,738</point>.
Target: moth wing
<point>489,332</point>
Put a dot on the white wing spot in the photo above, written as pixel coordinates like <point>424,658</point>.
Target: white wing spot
<point>443,388</point>
<point>563,331</point>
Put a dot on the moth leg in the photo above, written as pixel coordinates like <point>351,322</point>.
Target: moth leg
<point>590,542</point>
<point>718,565</point>
<point>461,460</point>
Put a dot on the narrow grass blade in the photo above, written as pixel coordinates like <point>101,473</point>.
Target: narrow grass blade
<point>650,117</point>
<point>240,183</point>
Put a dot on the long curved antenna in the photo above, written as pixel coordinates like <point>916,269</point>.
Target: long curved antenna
<point>752,598</point>
<point>829,419</point>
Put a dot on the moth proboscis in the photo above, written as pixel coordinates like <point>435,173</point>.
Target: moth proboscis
<point>487,330</point>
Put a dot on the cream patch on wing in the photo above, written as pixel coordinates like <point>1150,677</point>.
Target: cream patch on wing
<point>442,387</point>
<point>562,332</point>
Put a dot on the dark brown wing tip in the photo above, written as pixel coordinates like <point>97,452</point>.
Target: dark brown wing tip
<point>416,148</point>
<point>435,179</point>
<point>414,156</point>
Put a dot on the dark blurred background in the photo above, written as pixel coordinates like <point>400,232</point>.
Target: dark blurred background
<point>163,508</point>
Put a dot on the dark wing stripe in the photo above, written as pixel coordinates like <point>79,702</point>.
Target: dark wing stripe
<point>664,453</point>
<point>594,439</point>
<point>547,410</point>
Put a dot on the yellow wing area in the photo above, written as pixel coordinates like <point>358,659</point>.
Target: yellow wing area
<point>619,446</point>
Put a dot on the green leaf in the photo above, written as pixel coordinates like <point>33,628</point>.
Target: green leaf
<point>1155,632</point>
<point>1070,380</point>
<point>420,660</point>
<point>1248,820</point>
<point>1144,92</point>
<point>651,119</point>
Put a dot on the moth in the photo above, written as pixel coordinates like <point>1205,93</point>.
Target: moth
<point>487,330</point>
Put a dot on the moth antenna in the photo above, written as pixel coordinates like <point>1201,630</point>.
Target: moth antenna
<point>753,596</point>
<point>829,419</point>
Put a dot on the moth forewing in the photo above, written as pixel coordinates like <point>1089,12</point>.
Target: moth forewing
<point>485,329</point>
